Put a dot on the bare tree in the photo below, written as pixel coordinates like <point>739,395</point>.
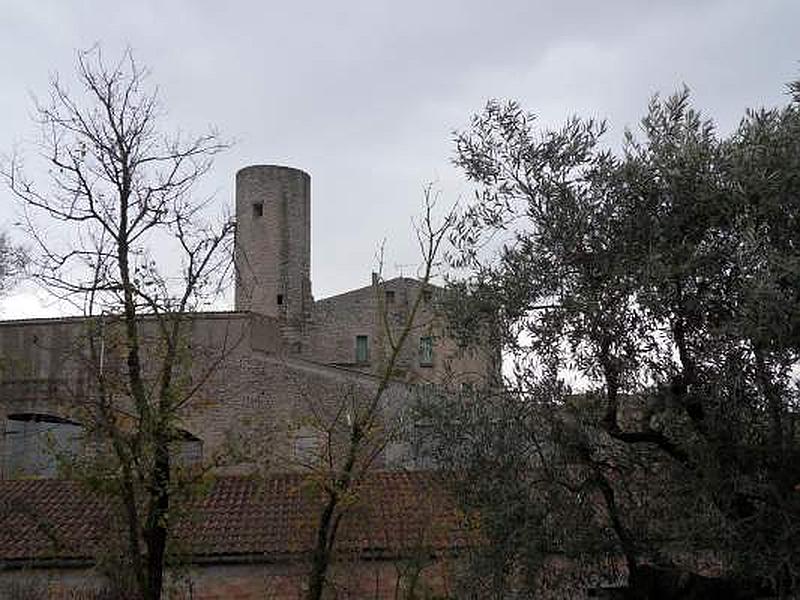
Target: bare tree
<point>363,423</point>
<point>12,261</point>
<point>118,196</point>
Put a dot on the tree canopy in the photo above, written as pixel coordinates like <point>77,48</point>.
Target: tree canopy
<point>663,279</point>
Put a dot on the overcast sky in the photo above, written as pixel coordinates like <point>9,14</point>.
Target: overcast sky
<point>365,95</point>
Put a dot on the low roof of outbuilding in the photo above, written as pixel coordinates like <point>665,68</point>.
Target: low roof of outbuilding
<point>391,514</point>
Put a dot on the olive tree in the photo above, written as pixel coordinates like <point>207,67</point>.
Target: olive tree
<point>663,280</point>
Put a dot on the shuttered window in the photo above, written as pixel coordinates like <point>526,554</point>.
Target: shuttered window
<point>362,349</point>
<point>426,351</point>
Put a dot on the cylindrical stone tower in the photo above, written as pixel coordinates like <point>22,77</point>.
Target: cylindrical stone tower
<point>273,241</point>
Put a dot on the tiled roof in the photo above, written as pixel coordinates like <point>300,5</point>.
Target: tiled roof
<point>47,518</point>
<point>393,513</point>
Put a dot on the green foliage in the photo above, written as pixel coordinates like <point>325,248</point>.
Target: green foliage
<point>665,281</point>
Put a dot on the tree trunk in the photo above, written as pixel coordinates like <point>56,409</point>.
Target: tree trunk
<point>320,558</point>
<point>654,583</point>
<point>156,528</point>
<point>774,403</point>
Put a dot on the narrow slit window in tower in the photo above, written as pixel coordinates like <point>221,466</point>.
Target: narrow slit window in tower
<point>258,209</point>
<point>280,299</point>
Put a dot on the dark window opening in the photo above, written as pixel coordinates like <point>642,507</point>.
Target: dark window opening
<point>258,209</point>
<point>280,299</point>
<point>427,295</point>
<point>389,296</point>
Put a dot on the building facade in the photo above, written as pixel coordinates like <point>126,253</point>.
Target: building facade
<point>262,384</point>
<point>258,371</point>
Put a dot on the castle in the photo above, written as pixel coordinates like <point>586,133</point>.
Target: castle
<point>264,381</point>
<point>262,368</point>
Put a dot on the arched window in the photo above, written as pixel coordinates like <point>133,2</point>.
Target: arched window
<point>34,443</point>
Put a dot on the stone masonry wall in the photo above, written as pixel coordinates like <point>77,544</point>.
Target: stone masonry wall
<point>353,580</point>
<point>339,319</point>
<point>273,242</point>
<point>246,389</point>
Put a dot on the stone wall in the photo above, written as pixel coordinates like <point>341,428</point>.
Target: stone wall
<point>273,242</point>
<point>245,388</point>
<point>258,580</point>
<point>259,373</point>
<point>384,306</point>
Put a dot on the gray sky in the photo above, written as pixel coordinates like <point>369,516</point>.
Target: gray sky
<point>365,95</point>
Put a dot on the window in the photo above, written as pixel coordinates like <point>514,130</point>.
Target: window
<point>35,443</point>
<point>188,451</point>
<point>423,446</point>
<point>280,299</point>
<point>426,351</point>
<point>258,209</point>
<point>306,446</point>
<point>427,295</point>
<point>362,349</point>
<point>389,296</point>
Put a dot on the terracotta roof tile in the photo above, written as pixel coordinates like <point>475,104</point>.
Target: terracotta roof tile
<point>48,519</point>
<point>392,513</point>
